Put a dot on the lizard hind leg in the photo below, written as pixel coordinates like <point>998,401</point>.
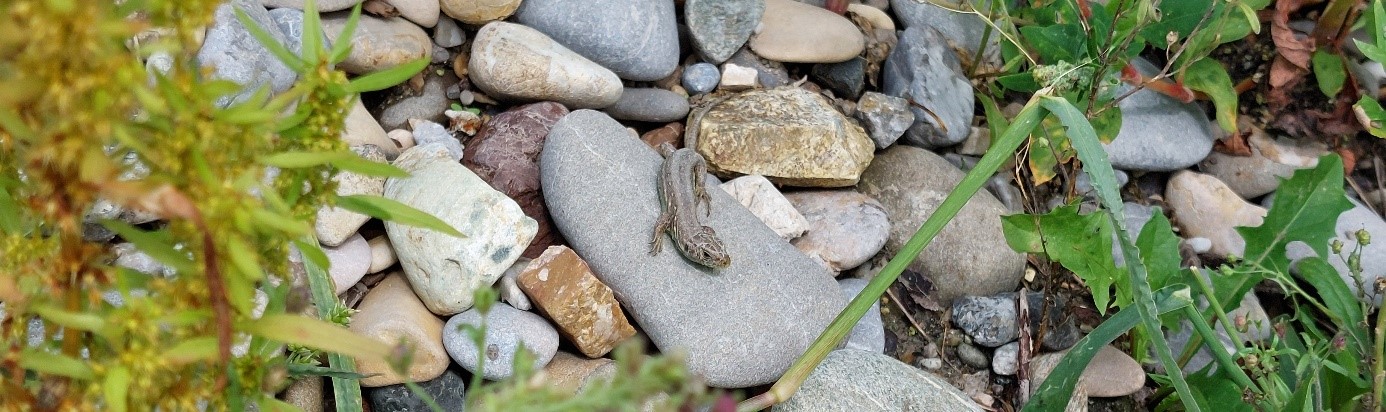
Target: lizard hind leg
<point>657,239</point>
<point>700,190</point>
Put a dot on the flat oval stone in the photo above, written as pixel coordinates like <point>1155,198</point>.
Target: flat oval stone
<point>390,312</point>
<point>789,135</point>
<point>1205,207</point>
<point>349,262</point>
<point>362,129</point>
<point>583,309</point>
<point>649,105</point>
<point>854,380</point>
<point>446,270</point>
<point>422,12</point>
<point>600,184</point>
<point>1260,173</point>
<point>378,44</point>
<point>970,255</point>
<point>334,224</point>
<point>1157,132</point>
<point>322,5</point>
<point>507,331</point>
<point>793,32</point>
<point>720,27</point>
<point>637,39</point>
<point>516,62</point>
<point>479,12</point>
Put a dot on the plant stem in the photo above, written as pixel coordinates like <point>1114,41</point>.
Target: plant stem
<point>1378,368</point>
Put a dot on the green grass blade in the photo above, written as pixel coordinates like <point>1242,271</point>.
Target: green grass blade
<point>388,209</point>
<point>1095,164</point>
<point>386,78</point>
<point>275,48</point>
<point>347,392</point>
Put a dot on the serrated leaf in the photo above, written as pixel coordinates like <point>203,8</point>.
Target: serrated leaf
<point>55,364</point>
<point>116,388</point>
<point>1159,248</point>
<point>386,78</point>
<point>192,350</point>
<point>1306,208</point>
<point>394,211</point>
<point>1058,42</point>
<point>1207,75</point>
<point>1081,243</point>
<point>1329,71</point>
<point>317,334</point>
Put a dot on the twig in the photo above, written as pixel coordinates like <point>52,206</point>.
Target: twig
<point>896,301</point>
<point>1023,358</point>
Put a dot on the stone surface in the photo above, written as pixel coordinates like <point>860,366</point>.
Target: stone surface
<point>322,5</point>
<point>511,61</point>
<point>234,54</point>
<point>1260,173</point>
<point>449,390</point>
<point>348,262</point>
<point>760,197</point>
<point>334,224</point>
<point>789,135</point>
<point>992,321</point>
<point>362,129</point>
<point>428,103</point>
<point>422,12</point>
<point>509,287</point>
<point>447,34</point>
<point>963,31</point>
<point>924,70</point>
<point>769,73</point>
<point>847,79</point>
<point>378,44</point>
<point>649,105</point>
<point>846,228</point>
<point>793,32</point>
<point>885,117</point>
<point>853,380</point>
<point>382,254</point>
<point>305,394</point>
<point>583,309</point>
<point>1158,133</point>
<point>507,331</point>
<point>1205,207</point>
<point>391,312</point>
<point>971,356</point>
<point>1110,373</point>
<point>737,78</point>
<point>720,27</point>
<point>427,132</point>
<point>877,16</point>
<point>1004,361</point>
<point>479,12</point>
<point>443,269</point>
<point>637,39</point>
<point>969,256</point>
<point>869,333</point>
<point>571,373</point>
<point>671,133</point>
<point>780,299</point>
<point>701,78</point>
<point>505,153</point>
<point>290,23</point>
<point>1373,255</point>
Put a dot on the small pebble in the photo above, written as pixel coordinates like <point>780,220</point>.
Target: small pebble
<point>972,356</point>
<point>701,78</point>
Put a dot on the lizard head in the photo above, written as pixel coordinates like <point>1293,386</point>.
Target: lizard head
<point>708,249</point>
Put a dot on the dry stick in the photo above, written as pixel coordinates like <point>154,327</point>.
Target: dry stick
<point>1023,358</point>
<point>216,287</point>
<point>891,292</point>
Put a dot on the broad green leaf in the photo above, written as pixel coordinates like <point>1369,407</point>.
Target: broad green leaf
<point>155,244</point>
<point>1107,124</point>
<point>387,78</point>
<point>1055,43</point>
<point>50,363</point>
<point>1330,72</point>
<point>1207,75</point>
<point>192,350</point>
<point>1371,116</point>
<point>1343,307</point>
<point>317,334</point>
<point>1053,394</point>
<point>1023,82</point>
<point>394,211</point>
<point>1160,249</point>
<point>116,388</point>
<point>1306,208</point>
<point>10,218</point>
<point>1179,16</point>
<point>1081,243</point>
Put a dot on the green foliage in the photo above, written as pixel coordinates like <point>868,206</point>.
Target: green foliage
<point>1368,110</point>
<point>1081,243</point>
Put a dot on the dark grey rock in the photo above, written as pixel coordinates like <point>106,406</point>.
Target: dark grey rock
<point>963,31</point>
<point>869,333</point>
<point>847,79</point>
<point>992,320</point>
<point>1158,133</point>
<point>428,104</point>
<point>972,356</point>
<point>449,390</point>
<point>853,380</point>
<point>720,27</point>
<point>637,39</point>
<point>599,183</point>
<point>699,78</point>
<point>236,55</point>
<point>649,105</point>
<point>885,117</point>
<point>922,69</point>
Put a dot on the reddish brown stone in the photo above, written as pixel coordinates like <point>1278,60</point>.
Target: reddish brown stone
<point>585,311</point>
<point>505,153</point>
<point>671,133</point>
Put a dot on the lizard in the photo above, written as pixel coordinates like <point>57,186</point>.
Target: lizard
<point>681,192</point>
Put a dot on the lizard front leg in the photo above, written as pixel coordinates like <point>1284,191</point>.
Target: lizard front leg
<point>666,220</point>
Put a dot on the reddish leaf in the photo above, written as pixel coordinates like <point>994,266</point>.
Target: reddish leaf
<point>1293,50</point>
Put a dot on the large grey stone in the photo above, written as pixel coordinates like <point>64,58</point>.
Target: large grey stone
<point>720,27</point>
<point>963,31</point>
<point>445,270</point>
<point>969,256</point>
<point>637,39</point>
<point>1158,133</point>
<point>236,55</point>
<point>922,69</point>
<point>869,333</point>
<point>600,185</point>
<point>649,105</point>
<point>853,380</point>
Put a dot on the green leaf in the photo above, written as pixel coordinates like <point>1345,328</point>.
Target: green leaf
<point>294,160</point>
<point>155,244</point>
<point>1207,75</point>
<point>244,258</point>
<point>1023,82</point>
<point>10,217</point>
<point>391,210</point>
<point>280,222</point>
<point>298,369</point>
<point>1055,43</point>
<point>1107,124</point>
<point>1160,250</point>
<point>317,334</point>
<point>1306,208</point>
<point>1371,116</point>
<point>387,78</point>
<point>192,350</point>
<point>1330,72</point>
<point>1179,16</point>
<point>50,363</point>
<point>342,49</point>
<point>1081,243</point>
<point>363,166</point>
<point>311,38</point>
<point>1053,394</point>
<point>269,403</point>
<point>116,388</point>
<point>1343,307</point>
<point>275,48</point>
<point>346,392</point>
<point>89,322</point>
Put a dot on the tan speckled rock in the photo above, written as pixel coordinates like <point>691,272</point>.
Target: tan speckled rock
<point>789,135</point>
<point>479,11</point>
<point>362,128</point>
<point>511,61</point>
<point>1260,173</point>
<point>390,312</point>
<point>571,373</point>
<point>583,309</point>
<point>1205,207</point>
<point>378,44</point>
<point>1110,373</point>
